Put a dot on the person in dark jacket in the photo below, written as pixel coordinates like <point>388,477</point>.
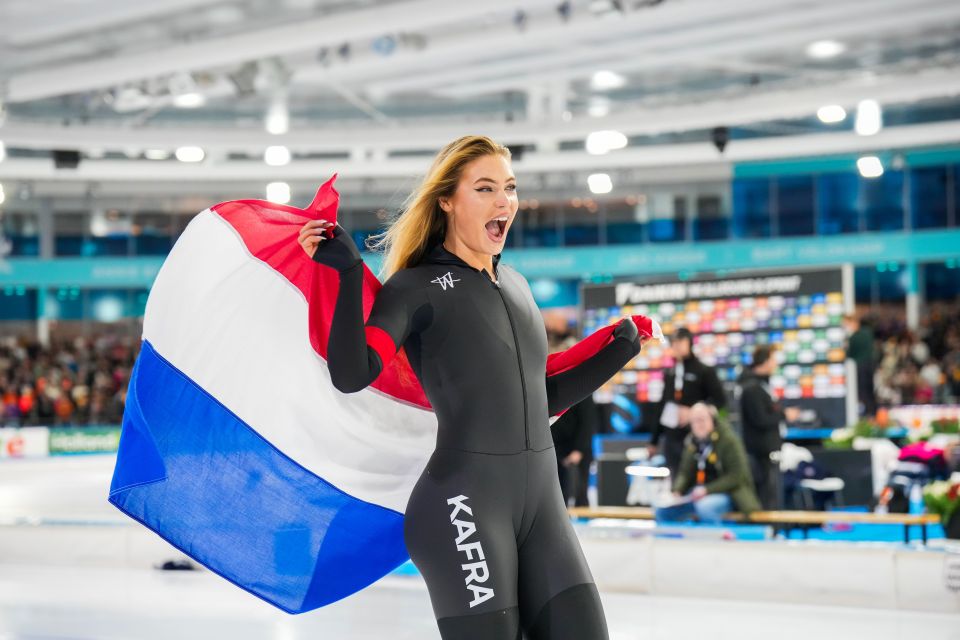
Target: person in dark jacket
<point>714,475</point>
<point>761,419</point>
<point>688,382</point>
<point>573,440</point>
<point>860,349</point>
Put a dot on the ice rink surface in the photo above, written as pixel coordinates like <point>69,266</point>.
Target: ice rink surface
<point>41,599</point>
<point>53,603</point>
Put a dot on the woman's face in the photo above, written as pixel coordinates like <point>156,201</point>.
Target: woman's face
<point>484,205</point>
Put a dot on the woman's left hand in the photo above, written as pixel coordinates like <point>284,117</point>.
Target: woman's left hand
<point>626,329</point>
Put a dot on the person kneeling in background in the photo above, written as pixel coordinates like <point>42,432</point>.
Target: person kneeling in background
<point>714,475</point>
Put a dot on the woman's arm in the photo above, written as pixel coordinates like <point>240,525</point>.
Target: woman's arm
<point>573,385</point>
<point>356,352</point>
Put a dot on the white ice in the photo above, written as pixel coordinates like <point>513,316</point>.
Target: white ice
<point>132,604</point>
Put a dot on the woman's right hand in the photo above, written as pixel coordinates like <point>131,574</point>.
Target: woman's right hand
<point>312,234</point>
<point>337,251</point>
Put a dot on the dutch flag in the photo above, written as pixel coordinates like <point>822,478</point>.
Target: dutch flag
<point>237,449</point>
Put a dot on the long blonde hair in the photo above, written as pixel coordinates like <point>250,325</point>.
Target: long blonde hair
<point>422,223</point>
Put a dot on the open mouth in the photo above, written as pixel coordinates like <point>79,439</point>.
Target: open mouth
<point>496,228</point>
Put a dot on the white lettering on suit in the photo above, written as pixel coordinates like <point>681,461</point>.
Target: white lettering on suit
<point>477,571</point>
<point>446,280</point>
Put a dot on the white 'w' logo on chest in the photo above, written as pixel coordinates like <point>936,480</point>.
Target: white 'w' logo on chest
<point>446,280</point>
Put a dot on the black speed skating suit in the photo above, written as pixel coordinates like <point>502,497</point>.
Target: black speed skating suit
<point>486,524</point>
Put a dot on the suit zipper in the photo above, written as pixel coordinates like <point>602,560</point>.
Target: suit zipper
<point>516,344</point>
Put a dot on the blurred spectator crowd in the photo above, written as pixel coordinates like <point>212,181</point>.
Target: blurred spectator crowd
<point>82,381</point>
<point>917,367</point>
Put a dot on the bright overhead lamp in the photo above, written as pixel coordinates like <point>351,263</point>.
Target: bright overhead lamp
<point>278,118</point>
<point>190,100</point>
<point>190,154</point>
<point>601,142</point>
<point>870,167</point>
<point>831,114</point>
<point>605,80</point>
<point>824,49</point>
<point>276,156</point>
<point>278,192</point>
<point>599,183</point>
<point>156,154</point>
<point>869,118</point>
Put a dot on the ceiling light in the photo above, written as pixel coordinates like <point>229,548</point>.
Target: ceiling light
<point>823,49</point>
<point>278,118</point>
<point>598,107</point>
<point>600,142</point>
<point>278,192</point>
<point>831,114</point>
<point>276,156</point>
<point>190,154</point>
<point>189,100</point>
<point>156,154</point>
<point>869,118</point>
<point>99,226</point>
<point>870,167</point>
<point>604,80</point>
<point>599,183</point>
<point>3,151</point>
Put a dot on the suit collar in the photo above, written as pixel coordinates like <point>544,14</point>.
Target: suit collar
<point>438,254</point>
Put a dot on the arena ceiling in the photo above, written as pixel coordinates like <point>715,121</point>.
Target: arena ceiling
<point>373,88</point>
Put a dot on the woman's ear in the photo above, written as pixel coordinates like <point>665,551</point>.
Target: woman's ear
<point>444,204</point>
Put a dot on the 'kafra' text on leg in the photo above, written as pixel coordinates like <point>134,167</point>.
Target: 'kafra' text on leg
<point>477,572</point>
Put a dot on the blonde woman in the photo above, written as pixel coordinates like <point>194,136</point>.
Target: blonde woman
<point>486,524</point>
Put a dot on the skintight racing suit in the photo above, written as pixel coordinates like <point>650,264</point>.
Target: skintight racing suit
<point>486,524</point>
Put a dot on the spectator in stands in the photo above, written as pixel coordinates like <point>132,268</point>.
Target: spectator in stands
<point>714,475</point>
<point>951,365</point>
<point>762,421</point>
<point>688,382</point>
<point>860,349</point>
<point>886,392</point>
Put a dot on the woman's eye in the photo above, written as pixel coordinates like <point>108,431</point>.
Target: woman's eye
<point>512,187</point>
